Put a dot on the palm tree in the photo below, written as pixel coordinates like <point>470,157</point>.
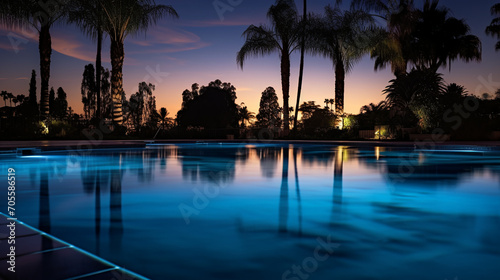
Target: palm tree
<point>327,101</point>
<point>283,37</point>
<point>426,38</point>
<point>121,18</point>
<point>10,96</point>
<point>416,94</point>
<point>245,116</point>
<point>393,48</point>
<point>21,98</point>
<point>331,102</point>
<point>5,96</point>
<point>301,68</point>
<point>494,28</point>
<point>373,108</point>
<point>439,39</point>
<point>32,13</point>
<point>88,15</point>
<point>344,37</point>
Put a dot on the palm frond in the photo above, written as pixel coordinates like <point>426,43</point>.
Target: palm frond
<point>260,41</point>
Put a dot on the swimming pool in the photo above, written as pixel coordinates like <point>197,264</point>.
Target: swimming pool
<point>271,211</point>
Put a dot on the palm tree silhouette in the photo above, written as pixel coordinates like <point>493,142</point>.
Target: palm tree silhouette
<point>284,37</point>
<point>124,17</point>
<point>494,28</point>
<point>245,116</point>
<point>439,39</point>
<point>392,48</point>
<point>338,180</point>
<point>344,37</point>
<point>115,202</point>
<point>301,67</point>
<point>5,96</point>
<point>21,13</point>
<point>297,188</point>
<point>88,15</point>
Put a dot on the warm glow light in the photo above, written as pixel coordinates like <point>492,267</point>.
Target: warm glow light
<point>377,153</point>
<point>45,130</point>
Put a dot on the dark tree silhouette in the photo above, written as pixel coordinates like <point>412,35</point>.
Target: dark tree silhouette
<point>33,104</point>
<point>283,37</point>
<point>124,17</point>
<point>89,16</point>
<point>301,67</point>
<point>214,108</point>
<point>494,28</point>
<point>269,111</point>
<point>31,13</point>
<point>344,37</point>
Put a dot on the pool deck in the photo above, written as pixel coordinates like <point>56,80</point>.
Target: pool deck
<point>48,145</point>
<point>41,256</point>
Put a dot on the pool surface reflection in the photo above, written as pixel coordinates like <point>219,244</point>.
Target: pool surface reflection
<point>270,211</point>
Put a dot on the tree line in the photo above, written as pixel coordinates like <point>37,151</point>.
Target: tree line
<point>416,42</point>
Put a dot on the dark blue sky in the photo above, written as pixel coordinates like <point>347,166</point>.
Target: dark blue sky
<point>201,46</point>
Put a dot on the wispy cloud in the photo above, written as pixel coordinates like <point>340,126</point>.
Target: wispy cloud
<point>70,46</point>
<point>168,40</point>
<point>9,47</point>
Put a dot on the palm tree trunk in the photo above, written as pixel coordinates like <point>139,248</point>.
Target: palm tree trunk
<point>285,84</point>
<point>98,72</point>
<point>45,49</point>
<point>117,56</point>
<point>301,70</point>
<point>339,87</point>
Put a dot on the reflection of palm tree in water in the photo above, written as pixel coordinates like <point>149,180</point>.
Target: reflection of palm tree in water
<point>44,218</point>
<point>283,205</point>
<point>115,203</point>
<point>338,181</point>
<point>297,189</point>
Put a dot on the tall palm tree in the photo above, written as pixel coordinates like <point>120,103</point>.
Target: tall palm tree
<point>41,16</point>
<point>284,37</point>
<point>88,15</point>
<point>344,37</point>
<point>494,28</point>
<point>424,38</point>
<point>393,48</point>
<point>301,68</point>
<point>439,39</point>
<point>121,18</point>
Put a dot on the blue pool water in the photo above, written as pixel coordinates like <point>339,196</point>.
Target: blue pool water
<point>244,211</point>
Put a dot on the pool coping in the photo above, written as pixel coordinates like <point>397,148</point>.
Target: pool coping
<point>58,145</point>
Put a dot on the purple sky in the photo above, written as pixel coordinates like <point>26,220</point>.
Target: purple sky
<point>201,46</point>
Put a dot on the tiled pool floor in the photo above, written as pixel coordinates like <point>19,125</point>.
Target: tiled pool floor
<point>41,256</point>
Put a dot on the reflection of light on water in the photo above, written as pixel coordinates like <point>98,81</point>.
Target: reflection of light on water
<point>421,158</point>
<point>377,153</point>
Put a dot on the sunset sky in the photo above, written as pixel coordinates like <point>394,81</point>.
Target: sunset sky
<point>201,46</point>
